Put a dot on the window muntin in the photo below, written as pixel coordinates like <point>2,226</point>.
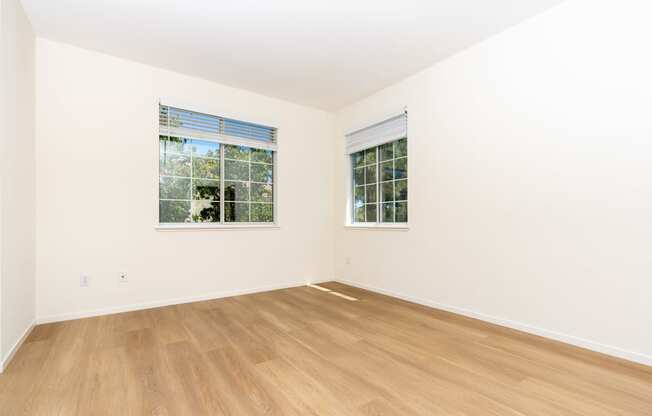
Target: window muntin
<point>380,187</point>
<point>202,181</point>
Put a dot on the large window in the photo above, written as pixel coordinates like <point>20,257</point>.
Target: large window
<point>380,184</point>
<point>379,172</point>
<point>208,175</point>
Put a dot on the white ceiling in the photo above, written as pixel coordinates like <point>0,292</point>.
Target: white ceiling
<point>321,53</point>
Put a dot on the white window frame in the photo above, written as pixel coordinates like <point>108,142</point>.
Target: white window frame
<point>349,186</point>
<point>212,226</point>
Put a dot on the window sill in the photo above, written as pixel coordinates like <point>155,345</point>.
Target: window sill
<point>379,227</point>
<point>223,227</point>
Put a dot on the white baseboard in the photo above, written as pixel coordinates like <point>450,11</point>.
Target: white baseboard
<point>167,302</point>
<point>568,339</point>
<point>12,352</point>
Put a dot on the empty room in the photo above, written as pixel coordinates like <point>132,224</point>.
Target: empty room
<point>312,207</point>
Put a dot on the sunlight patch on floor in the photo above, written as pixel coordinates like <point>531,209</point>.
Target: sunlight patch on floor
<point>332,292</point>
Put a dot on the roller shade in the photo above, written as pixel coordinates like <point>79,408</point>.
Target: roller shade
<point>386,131</point>
<point>178,122</point>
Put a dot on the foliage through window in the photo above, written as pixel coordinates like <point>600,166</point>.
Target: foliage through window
<point>192,188</point>
<point>380,183</point>
<point>217,180</point>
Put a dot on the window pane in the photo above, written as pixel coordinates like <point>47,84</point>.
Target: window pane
<point>370,174</point>
<point>358,176</point>
<point>359,214</point>
<point>236,191</point>
<point>371,212</point>
<point>174,165</point>
<point>259,155</point>
<point>236,212</point>
<point>205,168</point>
<point>174,145</point>
<point>401,190</point>
<point>237,152</point>
<point>387,191</point>
<point>236,170</point>
<point>401,212</point>
<point>371,193</point>
<point>359,196</point>
<point>205,148</point>
<point>400,168</point>
<point>206,189</point>
<point>370,156</point>
<point>388,212</point>
<point>174,211</point>
<point>190,188</point>
<point>262,173</point>
<point>386,165</point>
<point>174,188</point>
<point>262,213</point>
<point>205,211</point>
<point>358,159</point>
<point>400,148</point>
<point>261,192</point>
<point>387,171</point>
<point>387,151</point>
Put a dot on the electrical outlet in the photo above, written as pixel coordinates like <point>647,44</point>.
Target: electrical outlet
<point>123,278</point>
<point>84,280</point>
<point>347,260</point>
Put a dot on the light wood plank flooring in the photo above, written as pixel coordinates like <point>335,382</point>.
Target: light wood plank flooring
<point>302,351</point>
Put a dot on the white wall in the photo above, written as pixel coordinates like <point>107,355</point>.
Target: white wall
<point>17,183</point>
<point>531,180</point>
<point>96,187</point>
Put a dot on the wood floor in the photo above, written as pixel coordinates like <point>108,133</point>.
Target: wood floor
<point>303,351</point>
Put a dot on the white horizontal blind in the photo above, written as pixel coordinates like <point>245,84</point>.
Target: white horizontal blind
<point>177,122</point>
<point>386,131</point>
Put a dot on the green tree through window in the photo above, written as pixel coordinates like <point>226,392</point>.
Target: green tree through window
<point>380,183</point>
<point>203,181</point>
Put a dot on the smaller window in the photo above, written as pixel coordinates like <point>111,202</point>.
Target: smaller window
<point>379,172</point>
<point>380,183</point>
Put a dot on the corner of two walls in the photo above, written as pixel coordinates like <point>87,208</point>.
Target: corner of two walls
<point>18,199</point>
